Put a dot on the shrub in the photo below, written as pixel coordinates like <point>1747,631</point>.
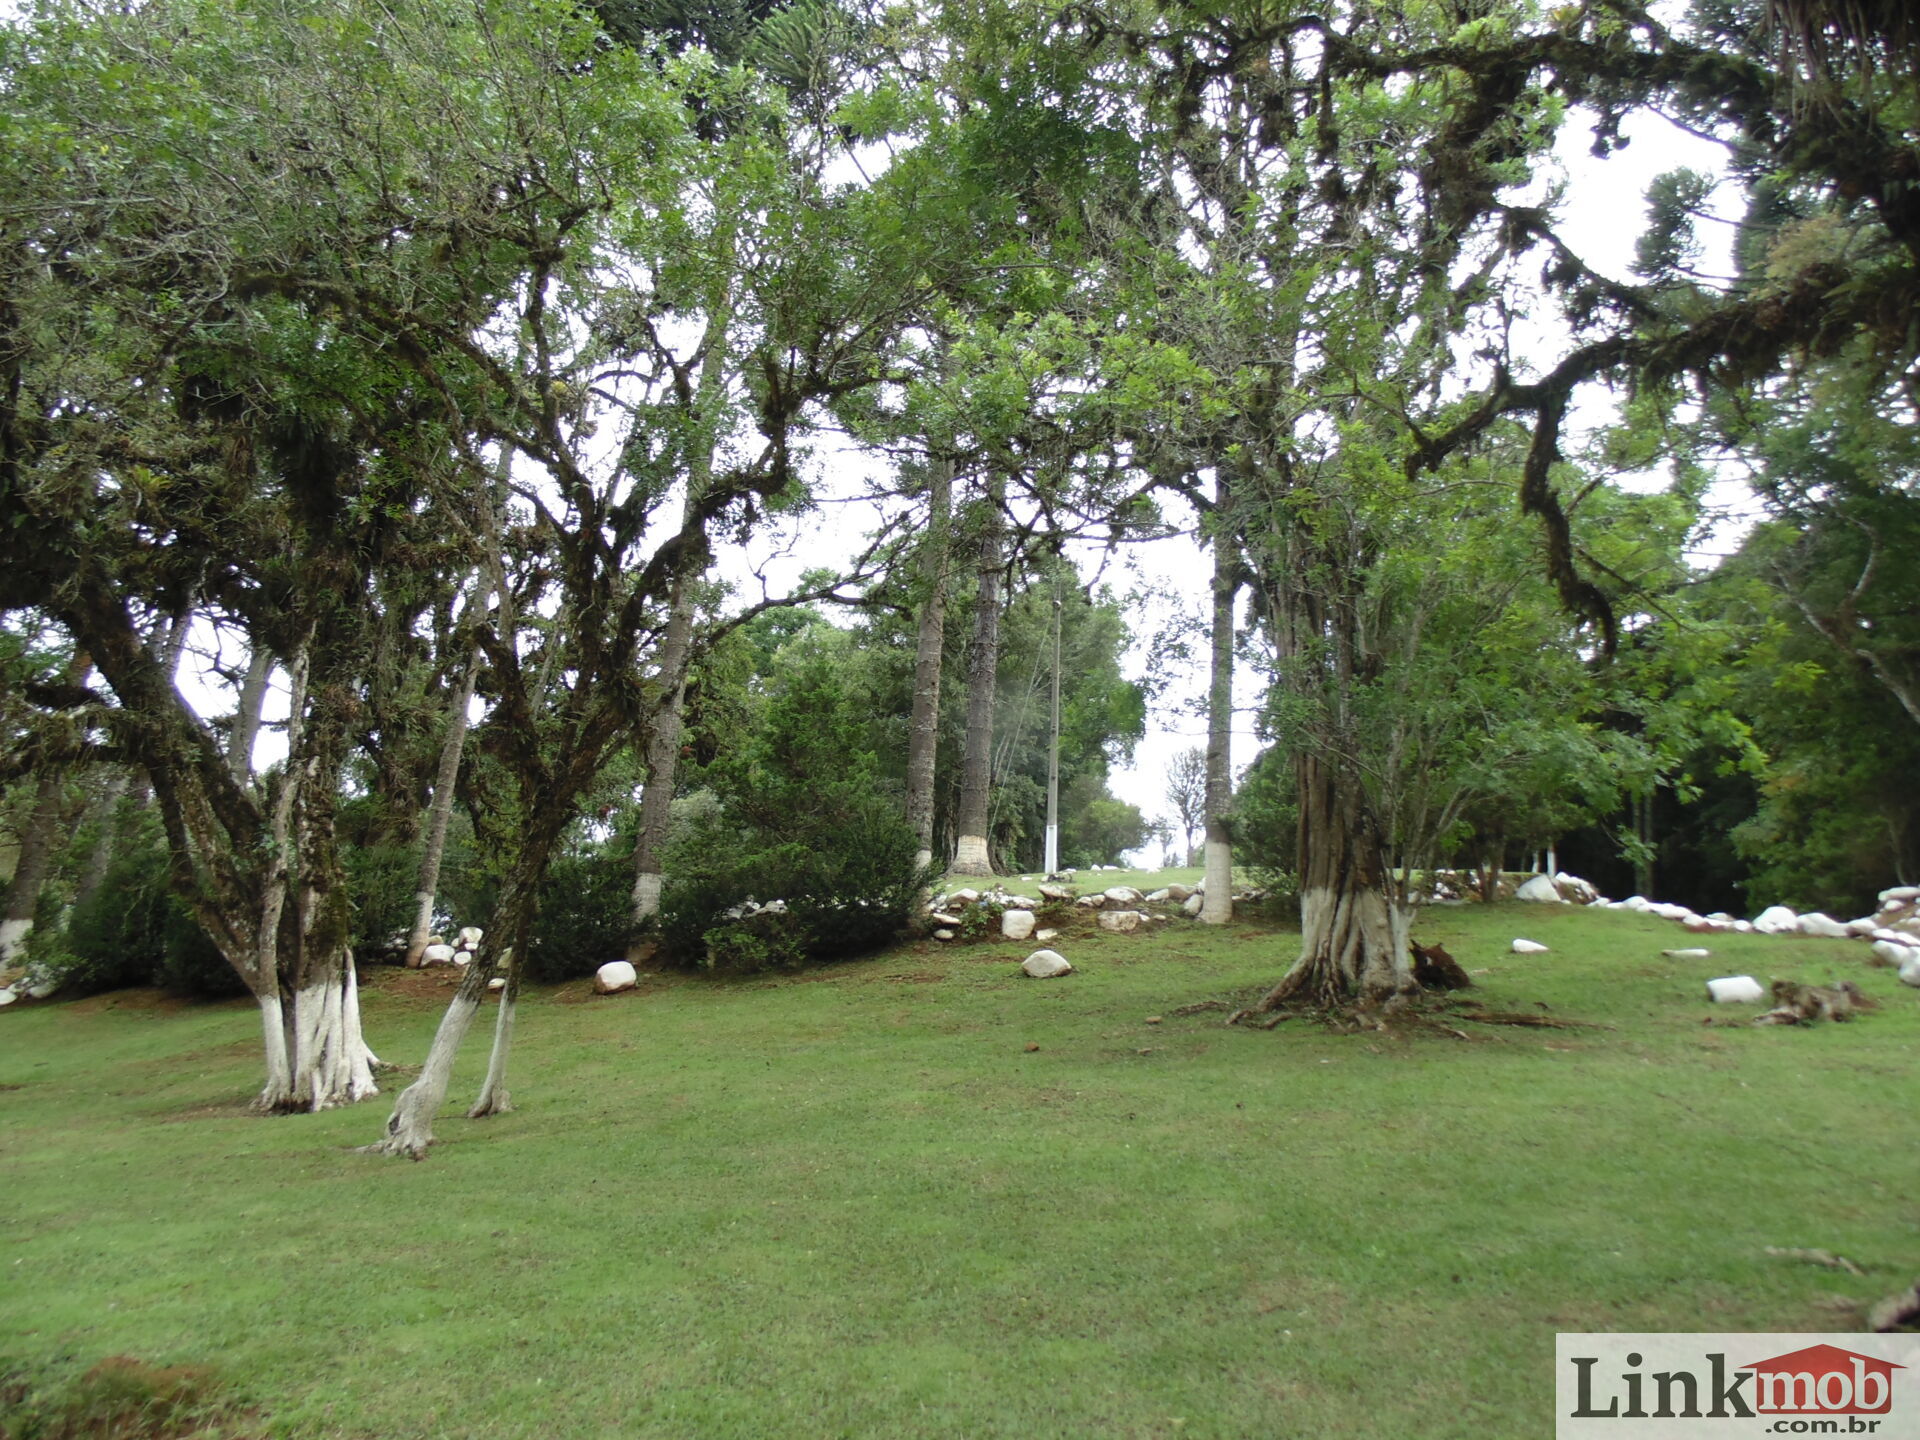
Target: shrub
<point>133,931</point>
<point>586,913</point>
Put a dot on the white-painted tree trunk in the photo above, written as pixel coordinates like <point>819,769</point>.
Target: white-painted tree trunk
<point>317,1057</point>
<point>1216,908</point>
<point>494,1098</point>
<point>410,1126</point>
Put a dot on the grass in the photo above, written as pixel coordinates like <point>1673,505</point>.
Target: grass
<point>855,1203</point>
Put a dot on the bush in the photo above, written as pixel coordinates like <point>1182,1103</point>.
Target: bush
<point>586,913</point>
<point>133,931</point>
<point>846,874</point>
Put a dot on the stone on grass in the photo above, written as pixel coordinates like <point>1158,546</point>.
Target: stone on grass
<point>1121,922</point>
<point>1055,892</point>
<point>1091,902</point>
<point>943,934</point>
<point>615,975</point>
<point>469,937</point>
<point>499,982</point>
<point>1735,990</point>
<point>1899,895</point>
<point>1910,972</point>
<point>1179,894</point>
<point>1016,924</point>
<point>1124,895</point>
<point>1776,920</point>
<point>964,897</point>
<point>1693,954</point>
<point>941,917</point>
<point>7,997</point>
<point>1528,947</point>
<point>441,954</point>
<point>1046,964</point>
<point>1540,890</point>
<point>1863,927</point>
<point>41,987</point>
<point>1823,927</point>
<point>1044,935</point>
<point>1892,953</point>
<point>1195,904</point>
<point>1160,896</point>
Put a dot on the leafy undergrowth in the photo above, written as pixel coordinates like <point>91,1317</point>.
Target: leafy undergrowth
<point>859,1202</point>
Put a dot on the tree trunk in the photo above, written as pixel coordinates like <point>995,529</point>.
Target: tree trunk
<point>410,1126</point>
<point>923,730</point>
<point>1643,828</point>
<point>440,813</point>
<point>246,716</point>
<point>45,829</point>
<point>663,761</point>
<point>493,1098</point>
<point>1217,906</point>
<point>1353,938</point>
<point>100,858</point>
<point>971,855</point>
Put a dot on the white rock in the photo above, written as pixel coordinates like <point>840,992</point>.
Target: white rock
<point>1910,973</point>
<point>1200,886</point>
<point>1044,935</point>
<point>1576,891</point>
<point>1179,894</point>
<point>469,937</point>
<point>1121,922</point>
<point>1022,902</point>
<point>1539,890</point>
<point>1124,895</point>
<point>1195,904</point>
<point>1160,896</point>
<point>1046,964</point>
<point>615,975</point>
<point>1863,927</point>
<point>1016,924</point>
<point>7,997</point>
<point>1743,927</point>
<point>1894,953</point>
<point>1091,902</point>
<point>1692,954</point>
<point>943,934</point>
<point>774,907</point>
<point>463,957</point>
<point>1776,920</point>
<point>1899,895</point>
<point>441,954</point>
<point>499,982</point>
<point>964,897</point>
<point>941,917</point>
<point>1735,990</point>
<point>1669,911</point>
<point>42,989</point>
<point>1823,927</point>
<point>1055,892</point>
<point>1528,947</point>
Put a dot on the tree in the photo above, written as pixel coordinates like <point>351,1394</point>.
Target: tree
<point>1187,794</point>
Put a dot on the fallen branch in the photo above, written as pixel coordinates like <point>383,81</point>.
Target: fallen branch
<point>1531,1022</point>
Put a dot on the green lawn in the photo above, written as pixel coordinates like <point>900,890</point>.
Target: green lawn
<point>855,1203</point>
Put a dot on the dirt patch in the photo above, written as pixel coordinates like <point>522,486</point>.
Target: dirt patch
<point>156,1001</point>
<point>122,1398</point>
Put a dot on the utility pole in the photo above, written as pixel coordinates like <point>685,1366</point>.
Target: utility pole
<point>1053,745</point>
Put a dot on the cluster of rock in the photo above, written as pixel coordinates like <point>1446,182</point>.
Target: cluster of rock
<point>1559,889</point>
<point>28,984</point>
<point>1893,931</point>
<point>438,952</point>
<point>1119,908</point>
